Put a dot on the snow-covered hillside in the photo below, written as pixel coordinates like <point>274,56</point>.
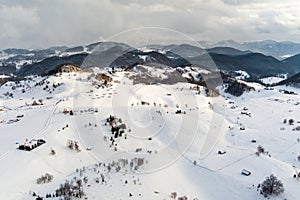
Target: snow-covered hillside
<point>113,139</point>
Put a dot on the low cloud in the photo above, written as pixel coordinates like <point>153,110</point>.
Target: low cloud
<point>16,22</point>
<point>34,23</point>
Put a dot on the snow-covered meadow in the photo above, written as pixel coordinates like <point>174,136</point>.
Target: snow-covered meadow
<point>174,139</point>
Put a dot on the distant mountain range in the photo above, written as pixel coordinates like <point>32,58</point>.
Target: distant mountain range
<point>279,50</point>
<point>229,60</point>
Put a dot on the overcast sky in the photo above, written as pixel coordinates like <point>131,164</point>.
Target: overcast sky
<point>44,23</point>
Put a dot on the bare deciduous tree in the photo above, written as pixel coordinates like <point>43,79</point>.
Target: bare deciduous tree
<point>271,186</point>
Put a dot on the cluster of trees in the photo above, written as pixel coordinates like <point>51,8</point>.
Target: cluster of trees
<point>47,178</point>
<point>74,189</point>
<point>73,145</point>
<point>9,94</point>
<point>42,82</point>
<point>174,196</point>
<point>114,166</point>
<point>290,122</point>
<point>47,83</point>
<point>117,127</point>
<point>54,86</point>
<point>70,190</point>
<point>16,84</point>
<point>134,164</point>
<point>297,128</point>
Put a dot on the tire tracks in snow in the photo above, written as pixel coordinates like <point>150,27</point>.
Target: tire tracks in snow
<point>2,156</point>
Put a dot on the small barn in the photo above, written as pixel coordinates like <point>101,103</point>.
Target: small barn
<point>246,172</point>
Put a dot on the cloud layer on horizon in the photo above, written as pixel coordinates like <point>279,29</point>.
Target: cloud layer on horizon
<point>34,23</point>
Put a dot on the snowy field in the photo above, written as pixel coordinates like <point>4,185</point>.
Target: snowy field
<point>171,139</point>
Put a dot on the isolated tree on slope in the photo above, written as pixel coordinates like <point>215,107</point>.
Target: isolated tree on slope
<point>271,186</point>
